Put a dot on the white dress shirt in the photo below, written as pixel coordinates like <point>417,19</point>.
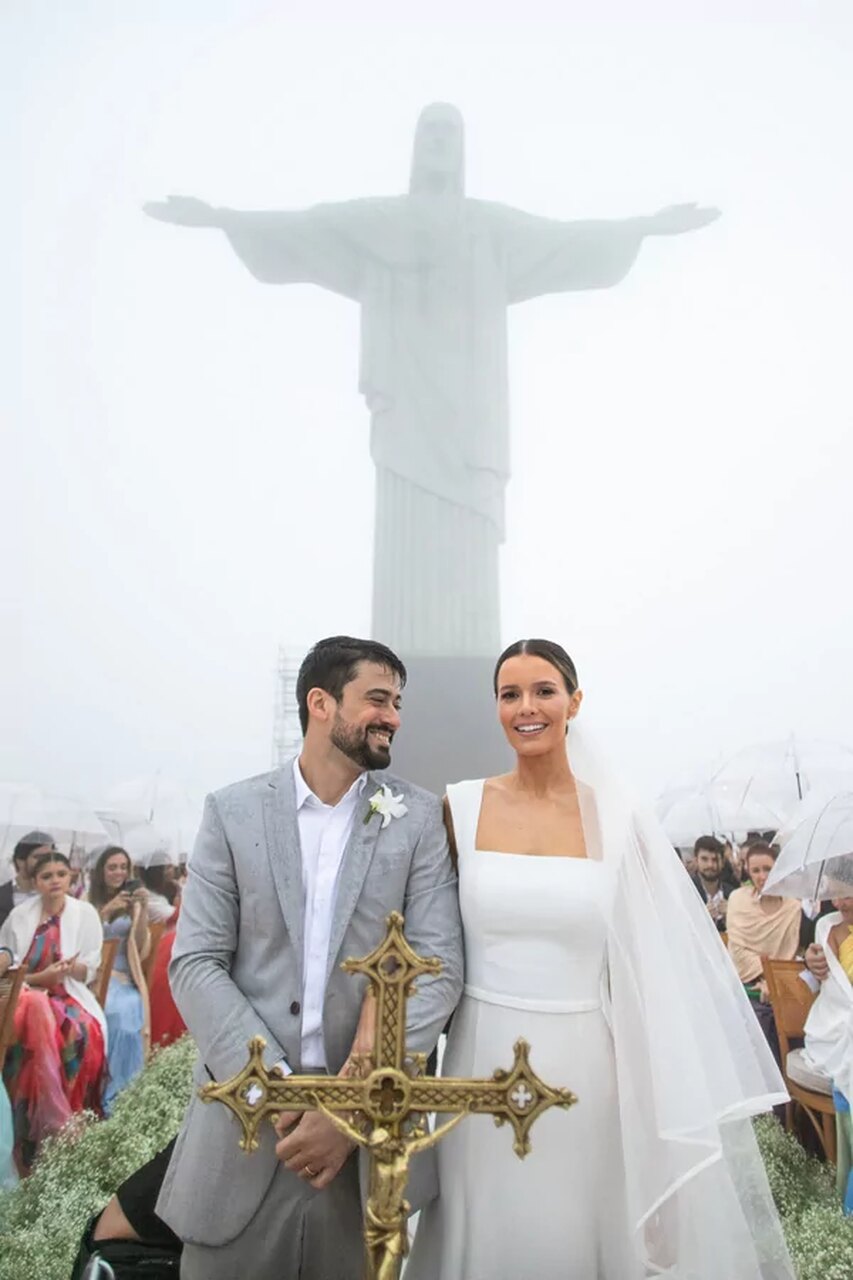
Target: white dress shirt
<point>324,830</point>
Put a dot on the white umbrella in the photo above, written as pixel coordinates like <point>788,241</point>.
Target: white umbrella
<point>163,803</point>
<point>25,807</point>
<point>144,842</point>
<point>816,860</point>
<point>780,774</point>
<point>712,809</point>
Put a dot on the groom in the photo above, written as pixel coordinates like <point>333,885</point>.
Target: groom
<point>290,875</point>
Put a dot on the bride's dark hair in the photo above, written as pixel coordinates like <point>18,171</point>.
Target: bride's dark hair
<point>547,649</point>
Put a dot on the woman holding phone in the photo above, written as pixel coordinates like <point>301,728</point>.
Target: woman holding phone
<point>122,904</point>
<point>55,1064</point>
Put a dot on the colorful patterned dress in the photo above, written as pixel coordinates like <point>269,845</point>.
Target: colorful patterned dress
<point>55,1065</point>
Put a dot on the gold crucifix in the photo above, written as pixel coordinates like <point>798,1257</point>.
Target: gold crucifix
<point>385,1108</point>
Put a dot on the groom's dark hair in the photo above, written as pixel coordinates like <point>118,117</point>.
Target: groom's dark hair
<point>333,662</point>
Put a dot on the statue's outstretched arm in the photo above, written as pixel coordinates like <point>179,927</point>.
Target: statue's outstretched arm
<point>545,255</point>
<point>308,246</point>
<point>185,211</point>
<point>675,219</point>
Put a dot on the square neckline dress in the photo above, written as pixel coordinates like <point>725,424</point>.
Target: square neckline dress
<point>535,930</point>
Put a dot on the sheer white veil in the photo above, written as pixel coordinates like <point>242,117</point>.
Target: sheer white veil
<point>692,1063</point>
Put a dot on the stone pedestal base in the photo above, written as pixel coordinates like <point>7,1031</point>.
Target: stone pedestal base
<point>450,726</point>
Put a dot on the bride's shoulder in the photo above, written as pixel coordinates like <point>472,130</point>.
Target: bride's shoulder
<point>466,784</point>
<point>474,787</point>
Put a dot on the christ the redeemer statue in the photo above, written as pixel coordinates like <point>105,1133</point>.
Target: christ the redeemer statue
<point>434,272</point>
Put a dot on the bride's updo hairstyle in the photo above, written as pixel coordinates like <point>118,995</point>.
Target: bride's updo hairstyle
<point>547,649</point>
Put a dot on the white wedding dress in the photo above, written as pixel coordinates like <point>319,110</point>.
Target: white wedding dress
<point>536,966</point>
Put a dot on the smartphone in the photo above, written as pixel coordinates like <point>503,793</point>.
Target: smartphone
<point>130,886</point>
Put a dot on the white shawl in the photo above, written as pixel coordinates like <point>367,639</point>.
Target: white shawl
<point>80,934</point>
<point>829,1026</point>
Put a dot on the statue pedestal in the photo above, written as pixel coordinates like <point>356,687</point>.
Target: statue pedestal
<point>450,727</point>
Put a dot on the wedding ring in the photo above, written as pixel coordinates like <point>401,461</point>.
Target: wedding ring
<point>311,1172</point>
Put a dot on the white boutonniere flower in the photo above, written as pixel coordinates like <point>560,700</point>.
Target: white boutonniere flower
<point>386,804</point>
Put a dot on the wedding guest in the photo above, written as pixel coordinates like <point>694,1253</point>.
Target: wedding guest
<point>163,893</point>
<point>128,1233</point>
<point>55,1064</point>
<point>688,858</point>
<point>761,926</point>
<point>8,1177</point>
<point>731,865</point>
<point>122,904</point>
<point>829,1032</point>
<point>708,879</point>
<point>164,901</point>
<point>167,1025</point>
<point>17,890</point>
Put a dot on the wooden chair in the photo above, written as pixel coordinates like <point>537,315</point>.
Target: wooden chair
<point>10,989</point>
<point>791,1000</point>
<point>101,985</point>
<point>155,933</point>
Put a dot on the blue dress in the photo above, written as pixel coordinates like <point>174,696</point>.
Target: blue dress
<point>125,1018</point>
<point>8,1177</point>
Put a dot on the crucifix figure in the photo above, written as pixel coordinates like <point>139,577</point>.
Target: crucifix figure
<point>385,1108</point>
<point>434,272</point>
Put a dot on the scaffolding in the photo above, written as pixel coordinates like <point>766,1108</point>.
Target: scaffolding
<point>287,733</point>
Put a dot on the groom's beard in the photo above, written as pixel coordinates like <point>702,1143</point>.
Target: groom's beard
<point>360,746</point>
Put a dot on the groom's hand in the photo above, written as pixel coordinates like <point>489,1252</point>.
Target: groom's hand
<point>312,1148</point>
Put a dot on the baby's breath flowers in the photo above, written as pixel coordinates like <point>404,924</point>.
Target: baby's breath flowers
<point>42,1220</point>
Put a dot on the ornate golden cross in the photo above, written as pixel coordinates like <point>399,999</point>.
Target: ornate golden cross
<point>385,1108</point>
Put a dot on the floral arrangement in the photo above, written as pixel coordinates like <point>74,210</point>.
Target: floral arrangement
<point>819,1236</point>
<point>42,1220</point>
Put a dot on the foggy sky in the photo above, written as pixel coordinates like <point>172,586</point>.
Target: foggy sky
<point>186,471</point>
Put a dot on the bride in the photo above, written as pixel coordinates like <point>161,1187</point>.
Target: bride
<point>584,935</point>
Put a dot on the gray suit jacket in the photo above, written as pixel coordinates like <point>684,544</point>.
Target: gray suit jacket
<point>236,968</point>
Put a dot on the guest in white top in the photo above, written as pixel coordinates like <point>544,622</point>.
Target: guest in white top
<point>55,1064</point>
<point>164,897</point>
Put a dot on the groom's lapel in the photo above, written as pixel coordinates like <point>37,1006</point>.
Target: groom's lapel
<point>285,855</point>
<point>356,860</point>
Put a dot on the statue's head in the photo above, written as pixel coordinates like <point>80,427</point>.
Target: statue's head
<point>438,160</point>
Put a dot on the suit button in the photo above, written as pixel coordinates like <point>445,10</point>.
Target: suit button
<point>295,1008</point>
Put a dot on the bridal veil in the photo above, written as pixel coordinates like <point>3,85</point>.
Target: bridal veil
<point>692,1064</point>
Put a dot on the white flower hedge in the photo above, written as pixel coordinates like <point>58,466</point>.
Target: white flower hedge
<point>42,1220</point>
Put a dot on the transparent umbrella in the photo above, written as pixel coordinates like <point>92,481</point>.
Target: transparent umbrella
<point>145,843</point>
<point>713,809</point>
<point>816,860</point>
<point>780,774</point>
<point>166,805</point>
<point>25,807</point>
